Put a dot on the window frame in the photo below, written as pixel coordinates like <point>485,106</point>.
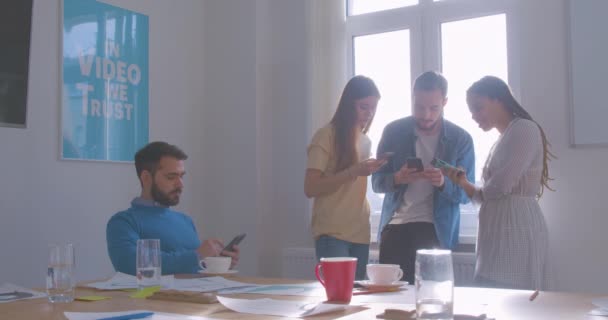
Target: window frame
<point>424,24</point>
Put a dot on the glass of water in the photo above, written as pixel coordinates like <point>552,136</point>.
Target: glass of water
<point>434,284</point>
<point>60,273</point>
<point>148,263</point>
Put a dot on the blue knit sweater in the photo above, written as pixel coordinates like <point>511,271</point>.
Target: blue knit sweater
<point>178,237</point>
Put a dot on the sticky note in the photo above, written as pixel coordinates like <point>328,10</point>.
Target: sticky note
<point>145,292</point>
<point>92,298</point>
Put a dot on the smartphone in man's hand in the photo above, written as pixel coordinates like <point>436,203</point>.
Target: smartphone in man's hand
<point>415,163</point>
<point>235,241</point>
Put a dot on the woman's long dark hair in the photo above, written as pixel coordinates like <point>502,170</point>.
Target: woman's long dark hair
<point>345,123</point>
<point>494,88</point>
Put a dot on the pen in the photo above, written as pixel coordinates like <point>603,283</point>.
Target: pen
<point>129,316</point>
<point>534,295</point>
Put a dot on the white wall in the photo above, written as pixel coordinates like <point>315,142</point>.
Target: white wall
<point>254,125</point>
<point>283,100</point>
<point>45,200</point>
<point>576,213</point>
<point>226,183</point>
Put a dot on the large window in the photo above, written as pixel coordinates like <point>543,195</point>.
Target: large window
<point>401,39</point>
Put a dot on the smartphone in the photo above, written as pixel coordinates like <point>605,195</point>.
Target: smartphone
<point>438,163</point>
<point>386,155</point>
<point>235,241</point>
<point>415,163</point>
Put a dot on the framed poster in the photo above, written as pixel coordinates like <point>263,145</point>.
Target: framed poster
<point>588,68</point>
<point>15,32</point>
<point>105,81</point>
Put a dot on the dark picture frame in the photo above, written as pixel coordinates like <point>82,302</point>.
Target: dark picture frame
<point>15,36</point>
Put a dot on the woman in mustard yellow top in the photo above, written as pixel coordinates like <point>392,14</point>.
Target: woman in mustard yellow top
<point>336,176</point>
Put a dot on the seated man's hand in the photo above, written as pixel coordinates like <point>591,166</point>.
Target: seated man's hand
<point>210,248</point>
<point>234,254</point>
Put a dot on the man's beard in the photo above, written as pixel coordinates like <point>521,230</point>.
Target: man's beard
<point>164,198</point>
<point>428,128</point>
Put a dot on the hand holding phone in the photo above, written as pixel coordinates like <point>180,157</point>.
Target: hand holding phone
<point>415,163</point>
<point>235,241</point>
<point>440,164</point>
<point>405,174</point>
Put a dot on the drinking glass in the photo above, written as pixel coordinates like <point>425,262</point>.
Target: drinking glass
<point>148,263</point>
<point>60,273</point>
<point>434,284</point>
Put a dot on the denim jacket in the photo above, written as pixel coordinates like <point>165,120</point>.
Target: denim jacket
<point>455,146</point>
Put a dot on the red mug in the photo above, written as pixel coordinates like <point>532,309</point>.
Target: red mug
<point>338,277</point>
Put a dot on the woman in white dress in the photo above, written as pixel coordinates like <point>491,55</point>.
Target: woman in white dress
<point>513,243</point>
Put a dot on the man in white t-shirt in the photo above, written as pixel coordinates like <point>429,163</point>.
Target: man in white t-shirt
<point>421,209</point>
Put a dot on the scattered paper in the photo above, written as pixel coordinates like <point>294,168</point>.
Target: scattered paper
<point>121,281</point>
<point>602,307</point>
<point>155,316</point>
<point>599,312</point>
<point>292,290</point>
<point>124,281</point>
<point>281,308</point>
<point>307,290</point>
<point>209,284</point>
<point>601,303</point>
<point>10,292</point>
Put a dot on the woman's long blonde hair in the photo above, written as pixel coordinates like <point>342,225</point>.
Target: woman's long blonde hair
<point>494,88</point>
<point>345,123</point>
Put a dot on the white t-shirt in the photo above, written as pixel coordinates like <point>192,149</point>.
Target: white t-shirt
<point>417,204</point>
<point>364,147</point>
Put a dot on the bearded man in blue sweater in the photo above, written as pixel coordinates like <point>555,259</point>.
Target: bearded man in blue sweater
<point>160,168</point>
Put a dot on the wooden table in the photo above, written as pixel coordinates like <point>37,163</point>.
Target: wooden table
<point>498,303</point>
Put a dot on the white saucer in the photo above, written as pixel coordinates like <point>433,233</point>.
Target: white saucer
<point>370,285</point>
<point>601,302</point>
<point>218,273</point>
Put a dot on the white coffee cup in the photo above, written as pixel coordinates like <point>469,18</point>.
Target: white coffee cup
<point>384,273</point>
<point>216,264</point>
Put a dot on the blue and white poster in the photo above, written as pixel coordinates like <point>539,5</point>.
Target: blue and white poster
<point>105,81</point>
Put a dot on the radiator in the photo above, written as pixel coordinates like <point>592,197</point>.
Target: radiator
<point>299,263</point>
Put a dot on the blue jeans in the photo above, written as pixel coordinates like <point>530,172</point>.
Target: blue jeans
<point>327,247</point>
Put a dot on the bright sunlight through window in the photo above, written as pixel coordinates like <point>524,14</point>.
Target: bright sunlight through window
<point>472,49</point>
<point>428,37</point>
<point>356,7</point>
<point>385,57</point>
